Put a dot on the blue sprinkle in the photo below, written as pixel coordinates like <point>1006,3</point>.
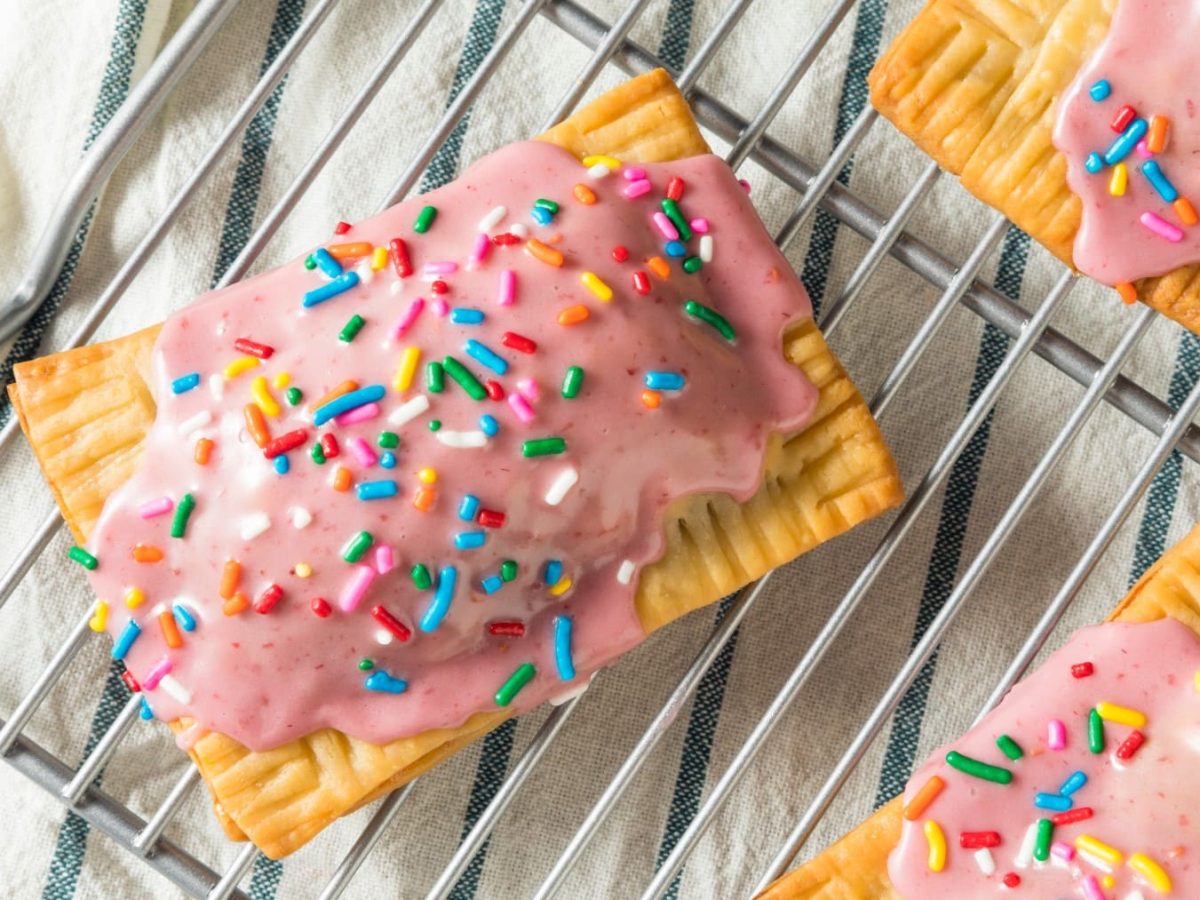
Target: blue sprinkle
<point>339,285</point>
<point>468,507</point>
<point>1159,181</point>
<point>665,381</point>
<point>185,383</point>
<point>488,425</point>
<point>486,356</point>
<point>676,249</point>
<point>541,215</point>
<point>147,713</point>
<point>1055,802</point>
<point>1094,162</point>
<point>1123,145</point>
<point>447,578</point>
<point>384,683</point>
<point>492,583</point>
<point>562,648</point>
<point>326,263</point>
<point>467,315</point>
<point>376,490</point>
<point>281,464</point>
<point>347,402</point>
<point>184,617</point>
<point>1073,783</point>
<point>553,572</point>
<point>125,641</point>
<point>1101,90</point>
<point>387,459</point>
<point>469,540</point>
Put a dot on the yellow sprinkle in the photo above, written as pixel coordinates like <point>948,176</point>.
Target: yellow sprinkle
<point>1118,181</point>
<point>1108,882</point>
<point>937,845</point>
<point>379,259</point>
<point>134,598</point>
<point>1196,679</point>
<point>1122,715</point>
<point>1085,843</point>
<point>282,380</point>
<point>262,396</point>
<point>427,475</point>
<point>589,161</point>
<point>564,585</point>
<point>240,365</point>
<point>1151,871</point>
<point>302,570</point>
<point>99,620</point>
<point>409,360</point>
<point>593,283</point>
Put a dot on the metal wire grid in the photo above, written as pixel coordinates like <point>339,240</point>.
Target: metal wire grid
<point>817,187</point>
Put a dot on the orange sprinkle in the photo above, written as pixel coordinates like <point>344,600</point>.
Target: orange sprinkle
<point>235,604</point>
<point>1156,139</point>
<point>543,252</point>
<point>1127,291</point>
<point>344,388</point>
<point>341,479</point>
<point>256,424</point>
<point>573,315</point>
<point>146,553</point>
<point>651,399</point>
<point>424,498</point>
<point>170,630</point>
<point>230,576</point>
<point>1186,212</point>
<point>350,251</point>
<point>203,451</point>
<point>584,194</point>
<point>659,267</point>
<point>922,798</point>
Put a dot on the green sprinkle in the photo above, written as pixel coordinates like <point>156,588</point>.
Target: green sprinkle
<point>388,440</point>
<point>357,546</point>
<point>508,570</point>
<point>1041,847</point>
<point>692,265</point>
<point>671,208</point>
<point>711,317</point>
<point>318,454</point>
<point>435,424</point>
<point>309,262</point>
<point>435,378</point>
<point>1009,747</point>
<point>465,379</point>
<point>183,512</point>
<point>366,665</point>
<point>293,395</point>
<point>516,681</point>
<point>351,329</point>
<point>1095,732</point>
<point>543,447</point>
<point>978,769</point>
<point>572,382</point>
<point>424,219</point>
<point>549,205</point>
<point>81,556</point>
<point>421,577</point>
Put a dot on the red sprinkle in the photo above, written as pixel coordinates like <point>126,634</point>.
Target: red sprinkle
<point>489,518</point>
<point>675,188</point>
<point>505,239</point>
<point>1082,670</point>
<point>268,598</point>
<point>507,629</point>
<point>321,607</point>
<point>1071,816</point>
<point>1130,745</point>
<point>253,348</point>
<point>518,342</point>
<point>391,623</point>
<point>641,282</point>
<point>329,446</point>
<point>1124,116</point>
<point>284,443</point>
<point>398,251</point>
<point>130,681</point>
<point>440,287</point>
<point>620,253</point>
<point>973,840</point>
<point>1012,880</point>
<point>341,227</point>
<point>495,390</point>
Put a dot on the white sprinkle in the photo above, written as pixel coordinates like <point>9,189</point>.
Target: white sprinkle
<point>706,256</point>
<point>564,482</point>
<point>462,439</point>
<point>983,859</point>
<point>300,517</point>
<point>396,287</point>
<point>216,385</point>
<point>177,691</point>
<point>1135,895</point>
<point>409,410</point>
<point>383,636</point>
<point>599,170</point>
<point>625,573</point>
<point>365,272</point>
<point>254,525</point>
<point>519,230</point>
<point>492,219</point>
<point>195,423</point>
<point>1025,853</point>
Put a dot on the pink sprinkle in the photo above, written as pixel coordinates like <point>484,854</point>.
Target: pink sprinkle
<point>1063,850</point>
<point>440,268</point>
<point>530,389</point>
<point>363,413</point>
<point>356,588</point>
<point>699,225</point>
<point>482,245</point>
<point>634,173</point>
<point>636,189</point>
<point>664,225</point>
<point>1143,149</point>
<point>406,321</point>
<point>152,508</point>
<point>1056,735</point>
<point>1091,888</point>
<point>1161,227</point>
<point>521,407</point>
<point>745,184</point>
<point>362,451</point>
<point>383,559</point>
<point>508,287</point>
<point>441,308</point>
<point>154,676</point>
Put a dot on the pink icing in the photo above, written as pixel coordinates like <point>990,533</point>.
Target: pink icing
<point>265,679</point>
<point>1150,59</point>
<point>1147,804</point>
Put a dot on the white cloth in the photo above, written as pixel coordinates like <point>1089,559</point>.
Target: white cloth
<point>53,62</point>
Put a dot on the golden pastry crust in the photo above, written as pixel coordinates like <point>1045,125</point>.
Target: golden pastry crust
<point>974,83</point>
<point>836,473</point>
<point>856,866</point>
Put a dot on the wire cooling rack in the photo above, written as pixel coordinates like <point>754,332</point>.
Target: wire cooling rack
<point>817,185</point>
